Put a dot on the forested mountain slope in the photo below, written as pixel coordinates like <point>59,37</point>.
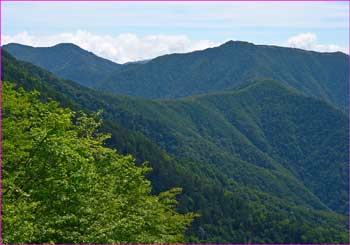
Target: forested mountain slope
<point>323,75</point>
<point>222,149</point>
<point>68,61</point>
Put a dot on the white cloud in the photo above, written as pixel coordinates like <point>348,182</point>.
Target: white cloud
<point>121,48</point>
<point>308,41</point>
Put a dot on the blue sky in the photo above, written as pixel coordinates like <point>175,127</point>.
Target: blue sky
<point>137,30</point>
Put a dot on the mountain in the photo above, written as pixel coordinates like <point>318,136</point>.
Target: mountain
<point>66,60</point>
<point>260,135</point>
<point>323,75</point>
<point>262,163</point>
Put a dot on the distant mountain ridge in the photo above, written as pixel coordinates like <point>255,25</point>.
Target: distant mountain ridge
<point>323,75</point>
<point>67,60</point>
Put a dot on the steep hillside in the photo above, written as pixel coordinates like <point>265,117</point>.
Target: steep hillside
<point>219,148</point>
<point>68,61</point>
<point>307,136</point>
<point>262,127</point>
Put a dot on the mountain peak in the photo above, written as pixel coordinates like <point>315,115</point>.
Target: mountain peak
<point>66,45</point>
<point>17,45</point>
<point>237,43</point>
<point>59,45</point>
<point>68,60</point>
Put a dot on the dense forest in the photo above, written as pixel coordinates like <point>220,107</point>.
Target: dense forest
<point>251,162</point>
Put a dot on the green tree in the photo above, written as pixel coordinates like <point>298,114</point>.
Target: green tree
<point>61,185</point>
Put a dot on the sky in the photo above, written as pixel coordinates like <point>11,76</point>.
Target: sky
<point>130,31</point>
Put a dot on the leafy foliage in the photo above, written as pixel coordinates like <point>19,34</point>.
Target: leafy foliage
<point>61,185</point>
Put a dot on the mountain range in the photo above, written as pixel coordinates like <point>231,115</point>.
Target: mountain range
<point>323,75</point>
<point>257,136</point>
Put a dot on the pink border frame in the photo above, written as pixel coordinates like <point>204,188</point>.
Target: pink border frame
<point>174,0</point>
<point>164,1</point>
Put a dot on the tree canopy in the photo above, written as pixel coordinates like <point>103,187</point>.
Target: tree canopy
<point>62,185</point>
